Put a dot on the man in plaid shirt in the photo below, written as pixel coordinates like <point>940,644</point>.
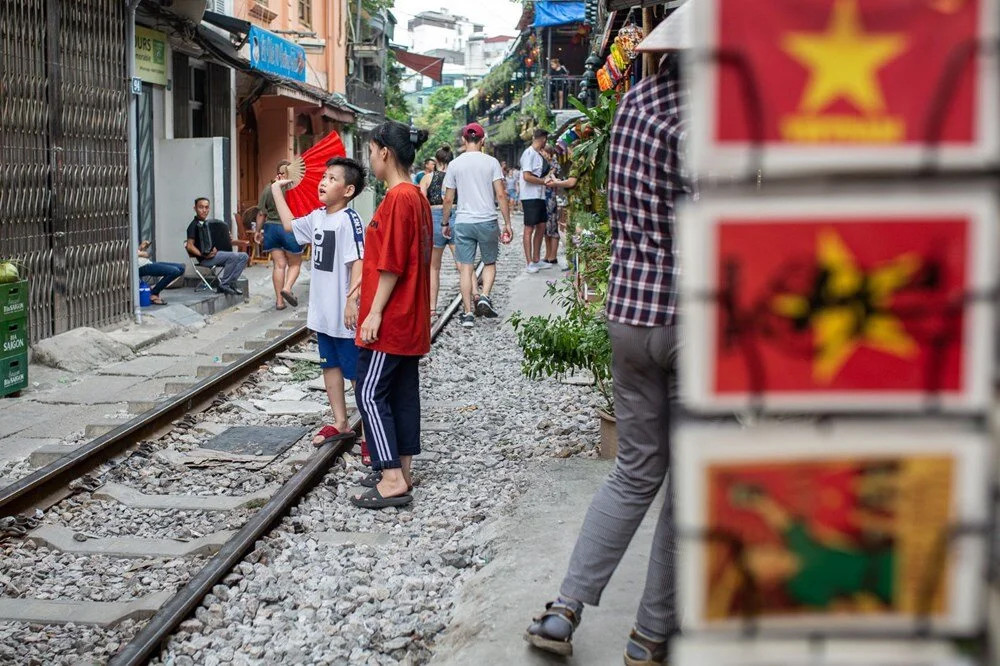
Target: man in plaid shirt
<point>644,183</point>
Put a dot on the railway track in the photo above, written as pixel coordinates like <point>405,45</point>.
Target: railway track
<point>46,488</point>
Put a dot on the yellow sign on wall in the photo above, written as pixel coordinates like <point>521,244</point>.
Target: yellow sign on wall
<point>151,55</point>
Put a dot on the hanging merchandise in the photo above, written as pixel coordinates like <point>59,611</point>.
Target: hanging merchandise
<point>619,62</point>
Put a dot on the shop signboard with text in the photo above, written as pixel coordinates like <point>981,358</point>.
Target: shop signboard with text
<point>274,55</point>
<point>151,56</point>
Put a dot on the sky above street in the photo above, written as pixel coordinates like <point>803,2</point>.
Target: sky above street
<point>499,16</point>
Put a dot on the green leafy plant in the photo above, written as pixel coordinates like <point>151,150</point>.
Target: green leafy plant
<point>576,340</point>
<point>590,155</point>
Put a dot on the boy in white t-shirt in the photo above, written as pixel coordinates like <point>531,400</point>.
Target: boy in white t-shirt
<point>337,236</point>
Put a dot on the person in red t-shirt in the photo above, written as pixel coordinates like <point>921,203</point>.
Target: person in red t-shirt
<point>395,314</point>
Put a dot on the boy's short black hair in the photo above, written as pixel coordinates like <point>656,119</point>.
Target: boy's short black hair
<point>202,199</point>
<point>354,173</point>
<point>540,133</point>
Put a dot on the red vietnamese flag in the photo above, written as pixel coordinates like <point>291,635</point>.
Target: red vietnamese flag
<point>846,72</point>
<point>856,304</point>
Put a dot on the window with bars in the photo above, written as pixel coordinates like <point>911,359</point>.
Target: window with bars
<point>306,13</point>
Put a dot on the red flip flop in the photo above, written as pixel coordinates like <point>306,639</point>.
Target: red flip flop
<point>330,434</point>
<point>366,458</point>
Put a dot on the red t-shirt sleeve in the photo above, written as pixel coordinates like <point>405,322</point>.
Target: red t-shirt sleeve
<point>397,238</point>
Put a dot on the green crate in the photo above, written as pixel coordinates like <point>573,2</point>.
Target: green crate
<point>13,300</point>
<point>14,336</point>
<point>13,373</point>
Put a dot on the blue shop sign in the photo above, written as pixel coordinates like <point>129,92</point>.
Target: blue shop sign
<point>274,55</point>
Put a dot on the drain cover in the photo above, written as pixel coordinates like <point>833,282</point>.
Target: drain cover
<point>252,440</point>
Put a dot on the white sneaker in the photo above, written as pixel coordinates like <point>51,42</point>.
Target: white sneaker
<point>563,264</point>
<point>531,268</point>
<point>543,265</point>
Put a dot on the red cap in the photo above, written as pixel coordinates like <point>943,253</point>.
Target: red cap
<point>474,131</point>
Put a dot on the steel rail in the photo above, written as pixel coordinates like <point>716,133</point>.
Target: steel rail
<point>180,606</point>
<point>32,490</point>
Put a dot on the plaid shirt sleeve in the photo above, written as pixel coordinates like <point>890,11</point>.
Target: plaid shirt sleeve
<point>644,183</point>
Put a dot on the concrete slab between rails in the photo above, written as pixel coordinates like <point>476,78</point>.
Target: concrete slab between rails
<point>357,538</point>
<point>434,426</point>
<point>101,613</point>
<point>201,458</point>
<point>496,605</point>
<point>61,538</point>
<point>133,498</point>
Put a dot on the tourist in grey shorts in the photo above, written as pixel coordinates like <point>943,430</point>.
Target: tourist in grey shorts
<point>477,180</point>
<point>484,235</point>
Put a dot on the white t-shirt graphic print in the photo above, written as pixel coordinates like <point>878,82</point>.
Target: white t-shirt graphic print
<point>338,241</point>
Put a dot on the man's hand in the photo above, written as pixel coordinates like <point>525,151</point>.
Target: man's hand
<point>446,230</point>
<point>144,245</point>
<point>507,235</point>
<point>258,237</point>
<point>369,329</point>
<point>211,253</point>
<point>279,185</point>
<point>351,314</point>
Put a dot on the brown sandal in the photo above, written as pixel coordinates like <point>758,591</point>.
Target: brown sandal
<point>642,650</point>
<point>537,636</point>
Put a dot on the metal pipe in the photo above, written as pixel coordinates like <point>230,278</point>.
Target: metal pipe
<point>140,648</point>
<point>133,163</point>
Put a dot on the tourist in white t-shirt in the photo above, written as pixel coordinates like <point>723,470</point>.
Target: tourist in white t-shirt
<point>533,173</point>
<point>478,179</point>
<point>337,236</point>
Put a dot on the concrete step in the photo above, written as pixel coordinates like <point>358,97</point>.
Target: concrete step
<point>61,538</point>
<point>208,370</point>
<point>272,333</point>
<point>254,345</point>
<point>141,406</point>
<point>98,429</point>
<point>133,498</point>
<point>231,357</point>
<point>173,388</point>
<point>102,613</point>
<point>48,454</point>
<point>290,323</point>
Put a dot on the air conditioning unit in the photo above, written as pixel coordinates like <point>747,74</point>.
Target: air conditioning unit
<point>192,10</point>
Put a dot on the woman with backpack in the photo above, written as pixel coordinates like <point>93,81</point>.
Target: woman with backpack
<point>433,189</point>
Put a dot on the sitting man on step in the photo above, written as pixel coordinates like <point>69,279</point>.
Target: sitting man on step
<point>204,245</point>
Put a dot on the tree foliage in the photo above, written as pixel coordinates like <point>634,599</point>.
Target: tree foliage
<point>440,120</point>
<point>395,102</point>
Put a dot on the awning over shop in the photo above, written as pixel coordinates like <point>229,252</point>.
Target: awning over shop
<point>421,64</point>
<point>549,13</point>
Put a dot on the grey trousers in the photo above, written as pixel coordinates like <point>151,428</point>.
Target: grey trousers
<point>641,368</point>
<point>233,264</point>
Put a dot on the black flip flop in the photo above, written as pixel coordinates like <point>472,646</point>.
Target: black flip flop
<point>372,499</point>
<point>290,298</point>
<point>372,478</point>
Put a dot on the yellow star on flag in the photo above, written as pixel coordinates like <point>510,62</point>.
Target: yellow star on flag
<point>843,61</point>
<point>849,308</point>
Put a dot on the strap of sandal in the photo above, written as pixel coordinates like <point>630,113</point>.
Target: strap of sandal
<point>561,611</point>
<point>646,644</point>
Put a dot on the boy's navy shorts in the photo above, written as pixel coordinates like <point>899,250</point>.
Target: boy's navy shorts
<point>338,353</point>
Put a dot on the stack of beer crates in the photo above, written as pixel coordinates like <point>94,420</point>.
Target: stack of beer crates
<point>13,337</point>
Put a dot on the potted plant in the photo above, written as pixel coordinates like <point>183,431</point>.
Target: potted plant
<point>575,340</point>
